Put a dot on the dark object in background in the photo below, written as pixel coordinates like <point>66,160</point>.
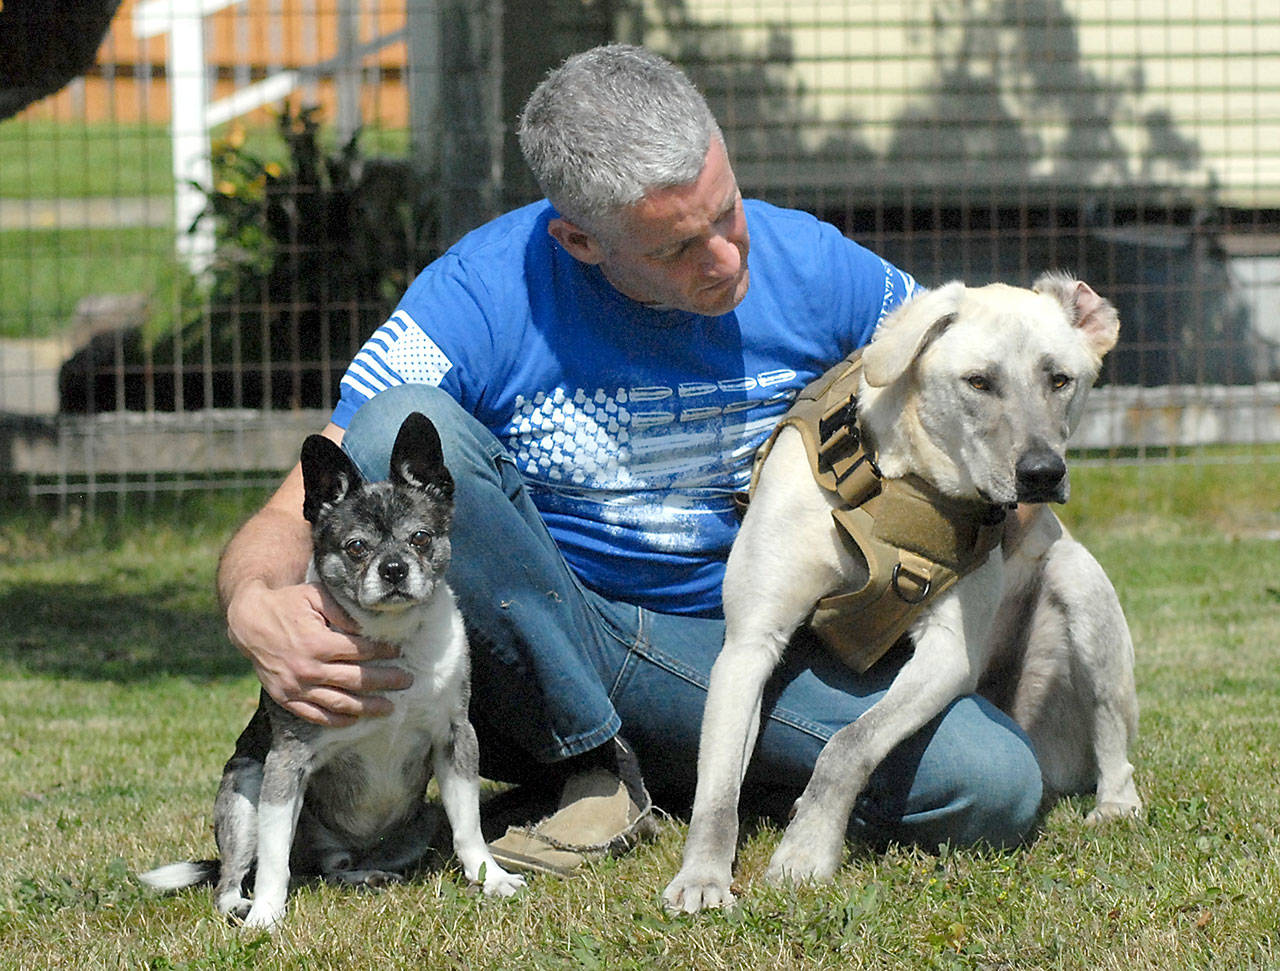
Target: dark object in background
<point>44,45</point>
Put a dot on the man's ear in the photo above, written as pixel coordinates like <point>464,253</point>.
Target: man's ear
<point>578,243</point>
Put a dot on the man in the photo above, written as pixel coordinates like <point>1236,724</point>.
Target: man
<point>602,367</point>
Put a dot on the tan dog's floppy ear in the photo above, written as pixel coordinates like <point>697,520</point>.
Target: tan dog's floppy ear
<point>902,335</point>
<point>1096,318</point>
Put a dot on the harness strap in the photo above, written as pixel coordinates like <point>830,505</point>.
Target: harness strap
<point>917,542</point>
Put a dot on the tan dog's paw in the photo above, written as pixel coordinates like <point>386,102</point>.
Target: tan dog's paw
<point>695,889</point>
<point>809,852</point>
<point>1108,812</point>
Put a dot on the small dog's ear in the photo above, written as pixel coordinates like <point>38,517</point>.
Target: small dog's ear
<point>328,474</point>
<point>417,458</point>
<point>903,334</point>
<point>1095,317</point>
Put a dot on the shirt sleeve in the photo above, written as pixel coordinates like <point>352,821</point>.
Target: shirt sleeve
<point>873,286</point>
<point>437,335</point>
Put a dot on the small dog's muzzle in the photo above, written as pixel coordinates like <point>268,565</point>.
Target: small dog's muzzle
<point>393,570</point>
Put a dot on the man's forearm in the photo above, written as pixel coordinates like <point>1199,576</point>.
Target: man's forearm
<point>272,547</point>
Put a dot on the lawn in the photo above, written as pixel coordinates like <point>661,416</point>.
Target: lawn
<point>46,269</point>
<point>43,159</point>
<point>119,701</point>
<point>45,273</point>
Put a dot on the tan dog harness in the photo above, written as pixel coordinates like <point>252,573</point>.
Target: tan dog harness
<point>917,542</point>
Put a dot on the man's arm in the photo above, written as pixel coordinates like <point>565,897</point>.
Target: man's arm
<point>297,637</point>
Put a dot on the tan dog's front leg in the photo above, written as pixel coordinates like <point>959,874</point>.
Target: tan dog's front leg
<point>786,556</point>
<point>948,657</point>
<point>730,725</point>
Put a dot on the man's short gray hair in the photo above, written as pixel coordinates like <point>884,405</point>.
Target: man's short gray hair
<point>611,124</point>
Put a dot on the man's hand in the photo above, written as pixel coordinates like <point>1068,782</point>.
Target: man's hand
<point>306,656</point>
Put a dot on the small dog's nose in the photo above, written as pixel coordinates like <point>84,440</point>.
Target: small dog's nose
<point>393,570</point>
<point>1040,471</point>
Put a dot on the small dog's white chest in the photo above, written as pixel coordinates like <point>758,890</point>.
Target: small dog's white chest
<point>380,766</point>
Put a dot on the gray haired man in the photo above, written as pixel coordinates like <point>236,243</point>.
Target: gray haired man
<point>601,366</point>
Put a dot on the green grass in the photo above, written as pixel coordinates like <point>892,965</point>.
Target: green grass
<point>45,270</point>
<point>41,159</point>
<point>119,701</point>
<point>45,273</point>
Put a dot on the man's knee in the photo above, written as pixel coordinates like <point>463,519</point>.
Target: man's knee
<point>996,788</point>
<point>973,780</point>
<point>1007,804</point>
<point>372,430</point>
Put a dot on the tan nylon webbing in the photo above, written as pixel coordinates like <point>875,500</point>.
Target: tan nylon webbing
<point>916,542</point>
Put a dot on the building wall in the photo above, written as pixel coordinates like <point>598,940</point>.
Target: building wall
<point>1039,92</point>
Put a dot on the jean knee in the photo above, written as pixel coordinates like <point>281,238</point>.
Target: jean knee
<point>372,430</point>
<point>1002,803</point>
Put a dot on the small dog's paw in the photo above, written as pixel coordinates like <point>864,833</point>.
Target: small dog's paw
<point>263,916</point>
<point>499,883</point>
<point>378,879</point>
<point>692,891</point>
<point>234,906</point>
<point>365,879</point>
<point>1107,812</point>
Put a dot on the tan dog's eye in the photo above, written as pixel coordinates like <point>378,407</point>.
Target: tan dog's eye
<point>979,382</point>
<point>421,539</point>
<point>1059,381</point>
<point>357,549</point>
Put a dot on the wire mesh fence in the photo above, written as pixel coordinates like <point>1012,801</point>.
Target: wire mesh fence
<point>203,217</point>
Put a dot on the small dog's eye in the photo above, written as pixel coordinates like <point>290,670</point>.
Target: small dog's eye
<point>979,382</point>
<point>1059,381</point>
<point>356,549</point>
<point>420,538</point>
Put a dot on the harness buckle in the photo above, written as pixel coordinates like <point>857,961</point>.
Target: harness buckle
<point>897,587</point>
<point>843,415</point>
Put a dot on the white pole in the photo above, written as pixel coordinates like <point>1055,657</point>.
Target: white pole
<point>189,103</point>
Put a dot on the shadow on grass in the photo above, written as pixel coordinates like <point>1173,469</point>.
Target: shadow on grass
<point>92,632</point>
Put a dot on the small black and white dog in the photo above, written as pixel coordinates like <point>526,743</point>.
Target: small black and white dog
<point>348,803</point>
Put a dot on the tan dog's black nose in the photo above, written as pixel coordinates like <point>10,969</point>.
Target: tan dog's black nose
<point>1040,472</point>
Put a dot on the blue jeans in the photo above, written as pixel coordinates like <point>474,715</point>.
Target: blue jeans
<point>558,670</point>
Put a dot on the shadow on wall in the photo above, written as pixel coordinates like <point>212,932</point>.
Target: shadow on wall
<point>998,67</point>
<point>1183,319</point>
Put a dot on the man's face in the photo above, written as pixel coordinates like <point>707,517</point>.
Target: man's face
<point>683,247</point>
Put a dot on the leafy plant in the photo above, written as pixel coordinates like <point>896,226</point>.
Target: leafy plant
<point>313,248</point>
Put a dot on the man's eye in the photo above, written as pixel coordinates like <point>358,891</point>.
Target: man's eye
<point>357,549</point>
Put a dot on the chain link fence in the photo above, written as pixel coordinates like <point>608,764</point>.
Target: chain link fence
<point>203,217</point>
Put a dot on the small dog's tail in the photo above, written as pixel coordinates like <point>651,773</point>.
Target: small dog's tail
<point>178,876</point>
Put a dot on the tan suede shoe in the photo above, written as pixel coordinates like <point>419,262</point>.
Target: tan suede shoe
<point>596,816</point>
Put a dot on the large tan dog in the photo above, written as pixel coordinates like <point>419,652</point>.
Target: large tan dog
<point>975,391</point>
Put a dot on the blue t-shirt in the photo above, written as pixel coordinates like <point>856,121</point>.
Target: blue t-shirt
<point>632,426</point>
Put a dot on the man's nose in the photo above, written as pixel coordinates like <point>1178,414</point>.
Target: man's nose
<point>723,258</point>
